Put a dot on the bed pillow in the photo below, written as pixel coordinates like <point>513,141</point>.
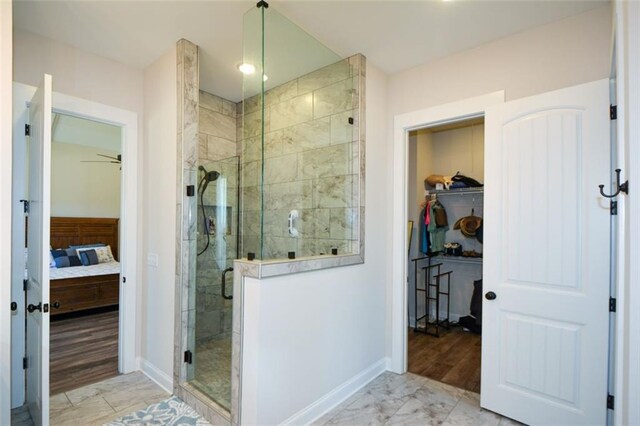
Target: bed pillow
<point>65,258</point>
<point>88,257</point>
<point>104,253</point>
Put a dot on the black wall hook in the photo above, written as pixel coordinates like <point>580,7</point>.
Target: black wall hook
<point>624,187</point>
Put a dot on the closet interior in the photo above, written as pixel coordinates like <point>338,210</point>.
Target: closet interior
<point>445,204</point>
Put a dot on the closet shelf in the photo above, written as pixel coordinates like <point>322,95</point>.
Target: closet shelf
<point>458,259</point>
<point>456,191</point>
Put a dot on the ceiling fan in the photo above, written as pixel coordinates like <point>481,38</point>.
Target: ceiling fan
<point>114,160</point>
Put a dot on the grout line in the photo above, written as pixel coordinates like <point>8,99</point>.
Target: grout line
<point>68,399</point>
<point>451,411</point>
<point>110,406</point>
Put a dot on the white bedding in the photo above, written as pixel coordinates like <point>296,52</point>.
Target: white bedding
<point>85,271</point>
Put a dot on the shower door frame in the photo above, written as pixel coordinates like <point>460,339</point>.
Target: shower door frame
<point>187,85</point>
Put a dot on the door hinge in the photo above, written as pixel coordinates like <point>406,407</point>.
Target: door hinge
<point>188,357</point>
<point>613,208</point>
<point>610,402</point>
<point>25,363</point>
<point>191,190</point>
<point>25,285</point>
<point>25,206</point>
<point>613,112</point>
<point>612,304</point>
<point>27,130</point>
<point>45,308</point>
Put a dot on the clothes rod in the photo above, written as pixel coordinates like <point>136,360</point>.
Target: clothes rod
<point>455,191</point>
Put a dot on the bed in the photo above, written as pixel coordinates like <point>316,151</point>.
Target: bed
<point>79,288</point>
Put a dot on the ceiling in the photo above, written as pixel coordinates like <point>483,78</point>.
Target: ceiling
<point>394,35</point>
<point>80,131</point>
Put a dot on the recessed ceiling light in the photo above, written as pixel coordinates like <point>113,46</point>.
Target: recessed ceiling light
<point>246,68</point>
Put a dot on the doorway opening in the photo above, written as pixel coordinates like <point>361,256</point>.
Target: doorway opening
<point>444,266</point>
<point>119,232</point>
<point>86,188</point>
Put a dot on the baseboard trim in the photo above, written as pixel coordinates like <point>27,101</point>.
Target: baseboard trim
<point>154,373</point>
<point>336,396</point>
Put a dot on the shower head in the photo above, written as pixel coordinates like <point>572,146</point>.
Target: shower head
<point>209,176</point>
<point>212,176</point>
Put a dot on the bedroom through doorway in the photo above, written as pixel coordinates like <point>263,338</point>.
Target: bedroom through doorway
<point>86,192</point>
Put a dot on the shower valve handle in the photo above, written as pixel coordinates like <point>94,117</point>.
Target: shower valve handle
<point>293,215</point>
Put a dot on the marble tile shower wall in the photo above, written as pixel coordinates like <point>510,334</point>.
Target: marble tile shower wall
<point>217,148</point>
<point>217,138</point>
<point>311,164</point>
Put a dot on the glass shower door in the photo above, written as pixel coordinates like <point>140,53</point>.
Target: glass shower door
<point>217,243</point>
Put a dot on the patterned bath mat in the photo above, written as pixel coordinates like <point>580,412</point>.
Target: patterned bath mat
<point>170,412</point>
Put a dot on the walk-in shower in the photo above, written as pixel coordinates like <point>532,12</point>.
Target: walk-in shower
<point>277,175</point>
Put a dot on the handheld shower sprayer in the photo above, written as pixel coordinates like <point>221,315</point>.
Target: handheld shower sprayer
<point>208,177</point>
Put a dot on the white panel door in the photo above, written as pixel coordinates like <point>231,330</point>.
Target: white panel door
<point>546,257</point>
<point>38,253</point>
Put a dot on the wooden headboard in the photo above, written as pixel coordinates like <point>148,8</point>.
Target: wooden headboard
<point>66,231</point>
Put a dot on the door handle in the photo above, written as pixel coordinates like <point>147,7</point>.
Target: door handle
<point>14,306</point>
<point>32,308</point>
<point>490,295</point>
<point>224,284</point>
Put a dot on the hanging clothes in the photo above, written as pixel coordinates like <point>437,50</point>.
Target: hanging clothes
<point>424,233</point>
<point>438,225</point>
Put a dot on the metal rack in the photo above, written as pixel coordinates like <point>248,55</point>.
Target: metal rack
<point>431,293</point>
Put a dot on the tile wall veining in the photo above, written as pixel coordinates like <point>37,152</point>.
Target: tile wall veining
<point>311,156</point>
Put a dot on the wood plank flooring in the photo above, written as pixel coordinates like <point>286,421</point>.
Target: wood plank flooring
<point>84,350</point>
<point>453,358</point>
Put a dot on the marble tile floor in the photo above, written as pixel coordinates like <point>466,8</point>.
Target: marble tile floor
<point>213,369</point>
<point>100,402</point>
<point>390,399</point>
<point>409,399</point>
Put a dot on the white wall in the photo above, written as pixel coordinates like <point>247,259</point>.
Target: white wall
<point>560,54</point>
<point>83,189</point>
<point>76,73</point>
<point>564,53</point>
<point>160,105</point>
<point>5,209</point>
<point>307,334</point>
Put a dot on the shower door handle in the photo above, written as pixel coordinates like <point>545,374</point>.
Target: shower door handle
<point>224,284</point>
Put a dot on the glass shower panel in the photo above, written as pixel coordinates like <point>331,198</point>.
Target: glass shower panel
<point>217,244</point>
<point>300,161</point>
